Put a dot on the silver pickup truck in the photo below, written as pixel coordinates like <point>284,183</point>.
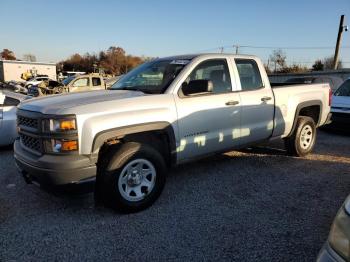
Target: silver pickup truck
<point>163,113</point>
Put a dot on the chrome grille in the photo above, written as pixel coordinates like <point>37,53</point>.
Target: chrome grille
<point>31,142</point>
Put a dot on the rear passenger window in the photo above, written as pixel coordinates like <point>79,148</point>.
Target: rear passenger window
<point>96,81</point>
<point>249,74</point>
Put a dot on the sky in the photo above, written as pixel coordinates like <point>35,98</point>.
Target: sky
<point>54,30</point>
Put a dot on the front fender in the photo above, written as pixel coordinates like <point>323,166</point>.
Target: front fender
<point>120,132</point>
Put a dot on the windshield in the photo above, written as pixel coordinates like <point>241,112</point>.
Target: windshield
<point>344,89</point>
<point>68,80</point>
<point>152,77</point>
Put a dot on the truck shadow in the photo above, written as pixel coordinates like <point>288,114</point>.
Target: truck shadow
<point>244,175</point>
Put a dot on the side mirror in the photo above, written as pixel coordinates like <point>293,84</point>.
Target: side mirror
<point>197,87</point>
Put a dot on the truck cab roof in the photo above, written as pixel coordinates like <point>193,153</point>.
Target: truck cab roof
<point>214,55</point>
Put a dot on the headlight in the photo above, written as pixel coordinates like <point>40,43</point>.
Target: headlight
<point>61,134</point>
<point>339,237</point>
<point>59,125</point>
<point>64,145</point>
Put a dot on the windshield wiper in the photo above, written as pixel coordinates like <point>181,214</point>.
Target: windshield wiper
<point>135,89</point>
<point>128,88</point>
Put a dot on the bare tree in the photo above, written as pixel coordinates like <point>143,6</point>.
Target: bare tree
<point>278,57</point>
<point>329,63</point>
<point>29,57</point>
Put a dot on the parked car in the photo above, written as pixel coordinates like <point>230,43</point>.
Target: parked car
<point>13,86</point>
<point>333,81</point>
<point>8,127</point>
<point>337,247</point>
<point>163,113</point>
<point>79,83</point>
<point>20,88</point>
<point>35,81</point>
<point>47,87</point>
<point>341,107</point>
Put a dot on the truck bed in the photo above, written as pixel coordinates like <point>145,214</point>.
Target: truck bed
<point>278,85</point>
<point>288,98</point>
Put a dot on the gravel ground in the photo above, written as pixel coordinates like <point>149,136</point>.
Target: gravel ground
<point>251,205</point>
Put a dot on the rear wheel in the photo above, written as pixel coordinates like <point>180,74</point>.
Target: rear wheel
<point>133,177</point>
<point>302,141</point>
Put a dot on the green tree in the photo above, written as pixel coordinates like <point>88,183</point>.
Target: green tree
<point>318,66</point>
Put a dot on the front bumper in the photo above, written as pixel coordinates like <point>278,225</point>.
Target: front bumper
<point>327,254</point>
<point>54,169</point>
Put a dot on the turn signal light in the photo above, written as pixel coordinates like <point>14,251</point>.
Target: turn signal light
<point>68,125</point>
<point>69,145</point>
<point>57,125</point>
<point>59,146</point>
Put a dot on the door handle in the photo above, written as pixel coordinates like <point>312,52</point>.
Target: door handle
<point>232,103</point>
<point>266,98</point>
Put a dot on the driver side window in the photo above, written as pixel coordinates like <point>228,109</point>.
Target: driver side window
<point>81,82</point>
<point>214,73</point>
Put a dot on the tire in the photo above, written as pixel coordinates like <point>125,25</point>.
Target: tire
<point>302,141</point>
<point>58,90</point>
<point>121,183</point>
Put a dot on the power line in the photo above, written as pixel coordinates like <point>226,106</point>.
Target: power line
<point>222,48</point>
<point>292,47</point>
<point>303,62</point>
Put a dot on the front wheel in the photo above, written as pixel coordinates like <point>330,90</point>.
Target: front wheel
<point>133,178</point>
<point>302,141</point>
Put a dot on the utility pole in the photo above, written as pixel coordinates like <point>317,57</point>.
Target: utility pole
<point>337,47</point>
<point>221,50</point>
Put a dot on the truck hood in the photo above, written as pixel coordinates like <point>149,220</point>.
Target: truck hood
<point>341,102</point>
<point>55,104</point>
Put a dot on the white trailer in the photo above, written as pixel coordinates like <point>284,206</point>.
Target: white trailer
<point>12,70</point>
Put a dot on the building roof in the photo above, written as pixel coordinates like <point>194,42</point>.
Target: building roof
<point>26,62</point>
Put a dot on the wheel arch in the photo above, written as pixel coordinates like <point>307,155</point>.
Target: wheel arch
<point>157,134</point>
<point>311,109</point>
